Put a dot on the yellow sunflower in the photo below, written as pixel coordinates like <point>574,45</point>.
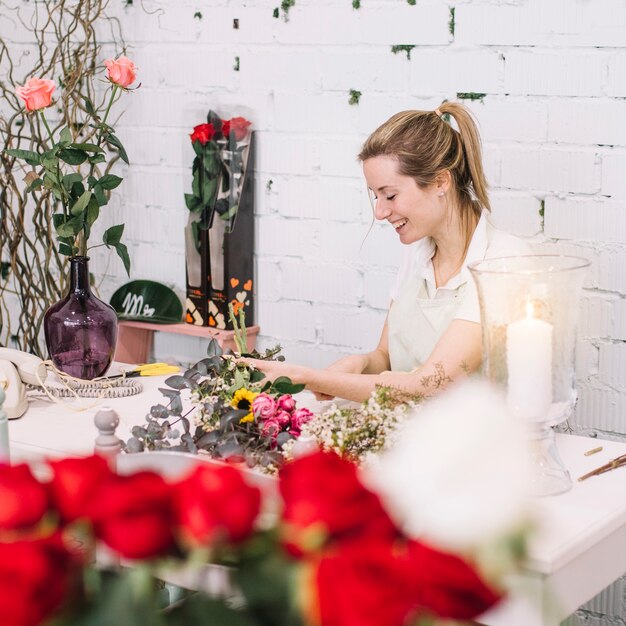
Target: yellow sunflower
<point>243,400</point>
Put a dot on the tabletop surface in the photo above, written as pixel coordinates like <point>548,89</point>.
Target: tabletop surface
<point>569,524</point>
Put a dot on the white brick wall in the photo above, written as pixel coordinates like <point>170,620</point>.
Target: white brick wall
<point>553,75</point>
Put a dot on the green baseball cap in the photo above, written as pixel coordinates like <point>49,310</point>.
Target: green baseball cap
<point>147,301</point>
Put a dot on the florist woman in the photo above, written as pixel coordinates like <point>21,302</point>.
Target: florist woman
<point>427,181</point>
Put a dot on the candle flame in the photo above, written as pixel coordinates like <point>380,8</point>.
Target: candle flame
<point>530,310</point>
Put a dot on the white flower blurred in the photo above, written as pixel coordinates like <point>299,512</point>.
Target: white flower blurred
<point>458,476</point>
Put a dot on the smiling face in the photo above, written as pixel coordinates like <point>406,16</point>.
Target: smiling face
<point>413,211</point>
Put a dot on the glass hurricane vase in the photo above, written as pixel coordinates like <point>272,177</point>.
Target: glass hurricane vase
<point>81,330</point>
<point>529,309</point>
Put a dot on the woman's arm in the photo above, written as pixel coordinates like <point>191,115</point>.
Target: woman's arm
<point>457,353</point>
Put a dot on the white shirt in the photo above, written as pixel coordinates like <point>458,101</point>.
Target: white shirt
<point>487,242</point>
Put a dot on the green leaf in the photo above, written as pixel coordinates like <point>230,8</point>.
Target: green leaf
<point>87,147</point>
<point>51,164</point>
<point>36,184</point>
<point>211,161</point>
<point>65,249</point>
<point>80,204</point>
<point>90,107</point>
<point>147,300</point>
<point>109,181</point>
<point>209,190</point>
<point>98,192</point>
<point>70,228</point>
<point>113,235</point>
<point>214,348</point>
<point>122,252</point>
<point>93,211</point>
<point>72,156</point>
<point>32,158</point>
<point>284,385</point>
<point>192,202</point>
<point>69,179</point>
<point>66,136</point>
<point>115,142</point>
<point>97,158</point>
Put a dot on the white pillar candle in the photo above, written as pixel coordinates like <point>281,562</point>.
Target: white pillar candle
<point>529,363</point>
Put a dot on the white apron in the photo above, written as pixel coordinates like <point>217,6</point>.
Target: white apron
<point>416,323</point>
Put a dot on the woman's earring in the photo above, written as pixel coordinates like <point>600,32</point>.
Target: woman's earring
<point>441,193</point>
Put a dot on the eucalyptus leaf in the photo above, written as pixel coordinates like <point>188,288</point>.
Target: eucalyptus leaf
<point>176,406</point>
<point>282,438</point>
<point>208,440</point>
<point>159,411</point>
<point>181,382</point>
<point>214,348</point>
<point>232,417</point>
<point>229,449</point>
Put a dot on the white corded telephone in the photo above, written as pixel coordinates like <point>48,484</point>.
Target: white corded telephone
<point>17,368</point>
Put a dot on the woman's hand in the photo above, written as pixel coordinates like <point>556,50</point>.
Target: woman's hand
<point>276,369</point>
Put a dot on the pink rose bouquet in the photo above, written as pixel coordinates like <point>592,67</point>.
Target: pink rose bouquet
<point>279,419</point>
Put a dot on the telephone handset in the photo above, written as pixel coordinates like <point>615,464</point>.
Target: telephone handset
<point>17,368</point>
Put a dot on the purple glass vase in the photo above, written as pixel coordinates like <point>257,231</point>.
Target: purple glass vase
<point>80,329</point>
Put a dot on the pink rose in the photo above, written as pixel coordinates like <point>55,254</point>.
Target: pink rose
<point>299,418</point>
<point>121,71</point>
<point>270,429</point>
<point>282,418</point>
<point>264,407</point>
<point>36,93</point>
<point>286,403</point>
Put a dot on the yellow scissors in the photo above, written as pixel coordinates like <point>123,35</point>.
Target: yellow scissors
<point>149,369</point>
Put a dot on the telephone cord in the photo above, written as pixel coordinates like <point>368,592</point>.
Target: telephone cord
<point>77,388</point>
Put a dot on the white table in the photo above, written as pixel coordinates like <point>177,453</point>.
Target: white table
<point>579,550</point>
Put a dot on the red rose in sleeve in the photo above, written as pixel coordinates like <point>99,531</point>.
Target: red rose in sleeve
<point>324,500</point>
<point>238,125</point>
<point>34,579</point>
<point>215,502</point>
<point>202,133</point>
<point>133,515</point>
<point>445,584</point>
<point>75,484</point>
<point>23,500</point>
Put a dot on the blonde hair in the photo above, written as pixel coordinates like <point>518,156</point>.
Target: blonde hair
<point>425,145</point>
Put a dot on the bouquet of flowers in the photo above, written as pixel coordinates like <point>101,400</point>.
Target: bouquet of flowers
<point>358,431</point>
<point>333,557</point>
<point>235,413</point>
